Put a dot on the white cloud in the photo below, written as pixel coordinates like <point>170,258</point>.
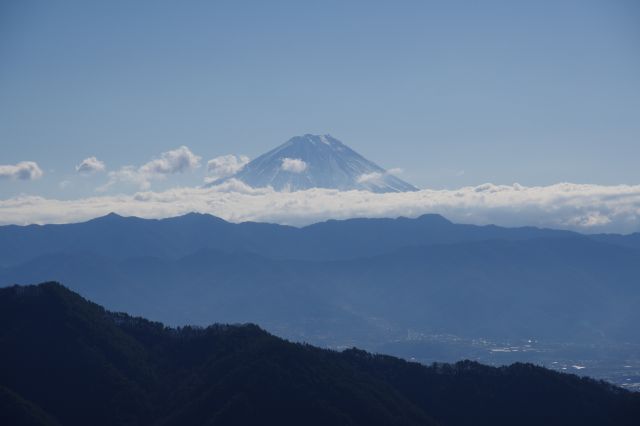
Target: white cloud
<point>225,166</point>
<point>24,170</point>
<point>293,165</point>
<point>175,161</point>
<point>90,165</point>
<point>129,175</point>
<point>378,177</point>
<point>589,220</point>
<point>373,177</point>
<point>592,208</point>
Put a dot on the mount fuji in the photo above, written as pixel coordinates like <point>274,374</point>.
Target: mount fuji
<point>317,161</point>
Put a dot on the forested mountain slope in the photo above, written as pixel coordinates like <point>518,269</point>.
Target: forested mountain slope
<point>57,346</point>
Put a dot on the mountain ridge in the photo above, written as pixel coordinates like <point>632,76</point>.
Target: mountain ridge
<point>239,374</point>
<point>358,280</point>
<point>494,288</point>
<point>178,236</point>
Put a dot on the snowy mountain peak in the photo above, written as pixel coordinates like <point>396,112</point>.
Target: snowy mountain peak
<point>317,161</point>
<point>313,140</point>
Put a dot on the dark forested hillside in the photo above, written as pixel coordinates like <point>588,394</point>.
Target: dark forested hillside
<point>67,361</point>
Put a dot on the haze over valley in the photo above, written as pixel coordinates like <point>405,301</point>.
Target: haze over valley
<point>424,288</point>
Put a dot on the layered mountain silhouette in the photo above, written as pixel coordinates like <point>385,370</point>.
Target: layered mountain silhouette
<point>364,281</point>
<point>120,237</point>
<point>317,161</point>
<point>67,361</point>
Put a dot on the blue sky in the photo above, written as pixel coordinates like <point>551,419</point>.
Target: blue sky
<point>455,93</point>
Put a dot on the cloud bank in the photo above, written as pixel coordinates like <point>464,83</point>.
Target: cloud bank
<point>586,208</point>
<point>90,165</point>
<point>24,170</point>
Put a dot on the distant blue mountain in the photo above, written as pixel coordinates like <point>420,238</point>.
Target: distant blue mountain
<point>425,273</point>
<point>317,161</point>
<point>124,237</point>
<point>630,241</point>
<point>365,281</point>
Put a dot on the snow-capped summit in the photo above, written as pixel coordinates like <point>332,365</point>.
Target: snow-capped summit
<point>317,161</point>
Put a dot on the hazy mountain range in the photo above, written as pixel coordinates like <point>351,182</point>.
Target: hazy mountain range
<point>120,237</point>
<point>360,281</point>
